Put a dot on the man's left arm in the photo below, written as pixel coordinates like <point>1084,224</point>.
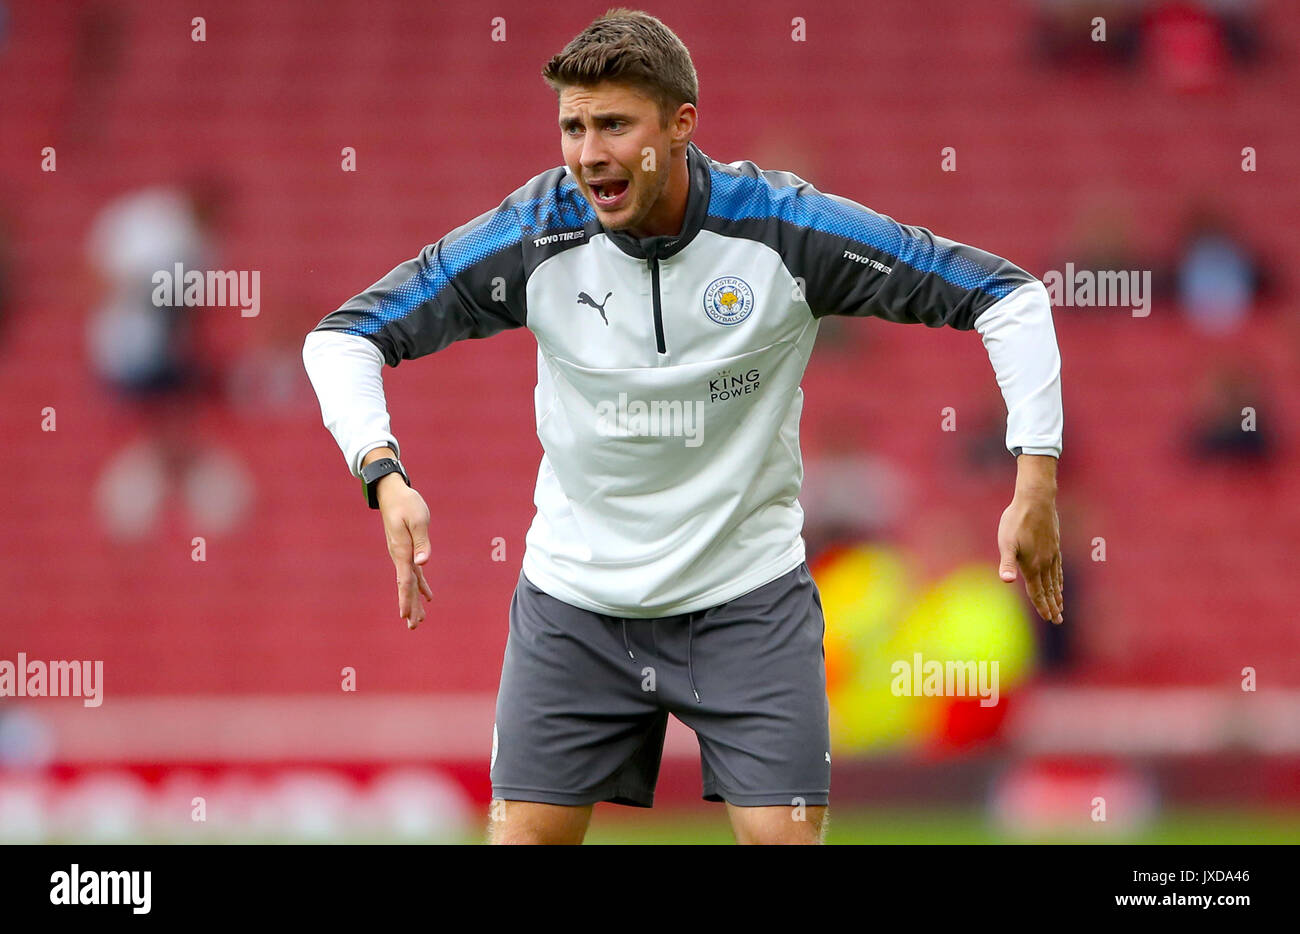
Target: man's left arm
<point>1021,343</point>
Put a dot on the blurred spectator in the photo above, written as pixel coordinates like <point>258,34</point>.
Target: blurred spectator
<point>1058,645</point>
<point>850,495</point>
<point>1239,24</point>
<point>96,65</point>
<point>1233,424</point>
<point>1102,239</point>
<point>776,147</point>
<point>145,352</point>
<point>26,741</point>
<point>986,445</point>
<point>1065,32</point>
<point>6,274</point>
<point>1217,276</point>
<point>1185,46</point>
<point>1190,44</point>
<point>1102,236</point>
<point>266,379</point>
<point>135,346</point>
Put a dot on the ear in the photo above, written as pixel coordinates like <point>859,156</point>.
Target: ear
<point>683,124</point>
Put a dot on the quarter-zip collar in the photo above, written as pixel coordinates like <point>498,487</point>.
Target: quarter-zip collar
<point>697,206</point>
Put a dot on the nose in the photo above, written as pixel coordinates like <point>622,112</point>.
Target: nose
<point>593,151</point>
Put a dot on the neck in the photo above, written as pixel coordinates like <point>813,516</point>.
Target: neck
<point>669,212</point>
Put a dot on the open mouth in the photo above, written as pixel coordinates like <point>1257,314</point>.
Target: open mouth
<point>609,193</point>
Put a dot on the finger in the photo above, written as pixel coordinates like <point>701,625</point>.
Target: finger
<point>419,538</point>
<point>424,584</point>
<point>1034,587</point>
<point>402,562</point>
<point>405,593</point>
<point>1049,588</point>
<point>419,531</point>
<point>1045,585</point>
<point>416,585</point>
<point>1054,575</point>
<point>1007,566</point>
<point>406,584</point>
<point>399,547</point>
<point>412,612</point>
<point>1059,575</point>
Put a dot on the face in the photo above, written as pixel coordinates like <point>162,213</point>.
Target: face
<point>616,148</point>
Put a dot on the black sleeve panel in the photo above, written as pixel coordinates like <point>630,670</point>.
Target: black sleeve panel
<point>470,284</point>
<point>853,261</point>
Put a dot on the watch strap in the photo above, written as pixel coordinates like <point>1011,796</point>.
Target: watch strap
<point>373,472</point>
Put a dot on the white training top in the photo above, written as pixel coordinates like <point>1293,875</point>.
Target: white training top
<point>668,368</point>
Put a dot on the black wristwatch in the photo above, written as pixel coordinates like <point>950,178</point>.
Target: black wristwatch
<point>372,472</point>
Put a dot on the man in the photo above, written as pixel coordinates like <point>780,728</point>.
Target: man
<point>675,301</point>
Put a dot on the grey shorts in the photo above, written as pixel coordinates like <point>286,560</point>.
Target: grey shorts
<point>585,699</point>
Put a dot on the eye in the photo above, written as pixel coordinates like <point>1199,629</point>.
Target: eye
<point>614,125</point>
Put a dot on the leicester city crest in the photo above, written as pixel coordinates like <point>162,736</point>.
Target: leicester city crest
<point>728,300</point>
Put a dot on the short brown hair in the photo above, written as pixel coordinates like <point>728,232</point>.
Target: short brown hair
<point>630,47</point>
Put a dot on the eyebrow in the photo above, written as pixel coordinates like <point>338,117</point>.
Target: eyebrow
<point>566,122</point>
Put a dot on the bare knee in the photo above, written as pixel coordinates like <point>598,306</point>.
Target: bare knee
<point>529,822</point>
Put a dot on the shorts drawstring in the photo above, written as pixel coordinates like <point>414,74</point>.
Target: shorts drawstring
<point>690,639</point>
<point>690,671</point>
<point>626,645</point>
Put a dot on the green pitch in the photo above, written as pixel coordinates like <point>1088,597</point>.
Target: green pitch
<point>616,825</point>
<point>936,826</point>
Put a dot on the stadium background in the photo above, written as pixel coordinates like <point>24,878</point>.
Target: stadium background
<point>223,677</point>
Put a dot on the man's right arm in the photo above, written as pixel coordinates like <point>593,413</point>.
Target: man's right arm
<point>469,284</point>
